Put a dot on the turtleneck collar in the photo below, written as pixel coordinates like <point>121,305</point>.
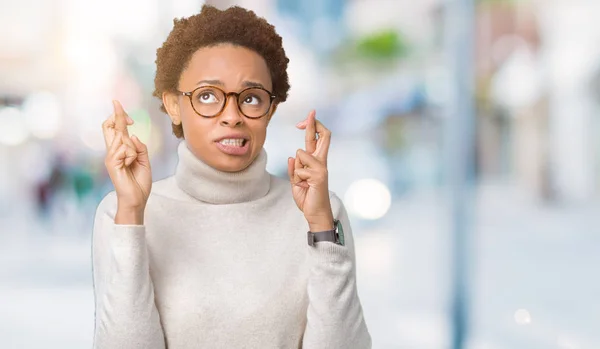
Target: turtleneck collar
<point>212,186</point>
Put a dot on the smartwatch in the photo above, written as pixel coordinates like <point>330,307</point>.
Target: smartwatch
<point>336,235</point>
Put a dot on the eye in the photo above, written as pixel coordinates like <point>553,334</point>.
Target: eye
<point>207,97</point>
<point>252,100</point>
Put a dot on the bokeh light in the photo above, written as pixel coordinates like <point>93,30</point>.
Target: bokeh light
<point>142,126</point>
<point>368,199</point>
<point>42,114</point>
<point>14,130</point>
<point>522,317</point>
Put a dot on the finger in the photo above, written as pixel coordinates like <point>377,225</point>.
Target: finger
<point>322,150</point>
<point>297,182</point>
<point>130,156</point>
<point>115,144</point>
<point>302,124</point>
<point>291,169</point>
<point>295,179</point>
<point>125,139</point>
<point>121,122</point>
<point>142,151</point>
<point>118,156</point>
<point>108,130</point>
<point>297,162</point>
<point>310,139</point>
<point>118,151</point>
<point>304,175</point>
<point>308,160</point>
<point>297,165</point>
<point>124,154</point>
<point>120,117</point>
<point>302,184</point>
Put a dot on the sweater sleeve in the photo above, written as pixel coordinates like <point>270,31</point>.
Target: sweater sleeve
<point>334,316</point>
<point>125,313</point>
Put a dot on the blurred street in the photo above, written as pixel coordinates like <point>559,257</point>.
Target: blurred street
<point>392,80</point>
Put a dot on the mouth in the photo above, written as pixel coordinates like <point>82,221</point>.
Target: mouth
<point>233,146</point>
<point>233,142</point>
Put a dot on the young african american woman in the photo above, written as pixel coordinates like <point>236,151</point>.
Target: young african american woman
<point>223,254</point>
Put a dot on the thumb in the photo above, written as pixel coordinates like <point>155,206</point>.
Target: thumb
<point>141,149</point>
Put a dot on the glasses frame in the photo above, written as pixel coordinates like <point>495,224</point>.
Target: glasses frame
<point>227,95</point>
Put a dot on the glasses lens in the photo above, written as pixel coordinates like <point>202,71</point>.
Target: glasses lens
<point>254,102</point>
<point>208,101</point>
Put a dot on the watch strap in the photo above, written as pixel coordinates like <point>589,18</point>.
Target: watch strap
<point>328,235</point>
<point>336,235</point>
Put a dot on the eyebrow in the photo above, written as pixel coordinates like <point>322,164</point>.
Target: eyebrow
<point>245,84</point>
<point>252,84</point>
<point>210,82</point>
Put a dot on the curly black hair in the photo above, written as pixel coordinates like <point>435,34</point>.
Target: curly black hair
<point>212,26</point>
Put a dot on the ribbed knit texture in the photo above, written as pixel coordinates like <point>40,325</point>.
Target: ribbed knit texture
<point>222,261</point>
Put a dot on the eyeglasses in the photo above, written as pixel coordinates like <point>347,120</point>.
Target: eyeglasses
<point>210,101</point>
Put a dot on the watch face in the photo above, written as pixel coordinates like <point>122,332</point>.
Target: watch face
<point>340,232</point>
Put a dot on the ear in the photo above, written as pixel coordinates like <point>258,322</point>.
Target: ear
<point>171,103</point>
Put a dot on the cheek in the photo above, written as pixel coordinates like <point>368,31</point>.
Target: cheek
<point>260,132</point>
<point>198,128</point>
<point>186,112</point>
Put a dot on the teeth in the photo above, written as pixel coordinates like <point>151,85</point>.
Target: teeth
<point>233,142</point>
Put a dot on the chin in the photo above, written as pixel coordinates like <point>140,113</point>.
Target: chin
<point>228,163</point>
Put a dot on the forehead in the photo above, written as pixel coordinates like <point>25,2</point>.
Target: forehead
<point>232,65</point>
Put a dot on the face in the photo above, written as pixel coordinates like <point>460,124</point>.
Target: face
<point>216,140</point>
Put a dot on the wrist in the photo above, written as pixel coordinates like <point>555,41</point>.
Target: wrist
<point>129,215</point>
<point>321,227</point>
<point>321,224</point>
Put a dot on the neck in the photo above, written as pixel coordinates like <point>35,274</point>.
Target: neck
<point>213,186</point>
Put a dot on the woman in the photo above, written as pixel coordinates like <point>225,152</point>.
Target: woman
<point>216,256</point>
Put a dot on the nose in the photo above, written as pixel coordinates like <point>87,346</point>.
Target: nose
<point>231,115</point>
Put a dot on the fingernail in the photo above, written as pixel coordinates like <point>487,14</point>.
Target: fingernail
<point>117,105</point>
<point>129,119</point>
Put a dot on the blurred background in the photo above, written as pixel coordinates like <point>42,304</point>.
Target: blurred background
<point>498,242</point>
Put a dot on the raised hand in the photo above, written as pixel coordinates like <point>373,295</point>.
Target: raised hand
<point>309,177</point>
<point>128,166</point>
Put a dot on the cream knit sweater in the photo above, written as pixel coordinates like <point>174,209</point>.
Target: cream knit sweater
<point>222,261</point>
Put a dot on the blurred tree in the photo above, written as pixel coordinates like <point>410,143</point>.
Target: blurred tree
<point>381,50</point>
<point>384,45</point>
